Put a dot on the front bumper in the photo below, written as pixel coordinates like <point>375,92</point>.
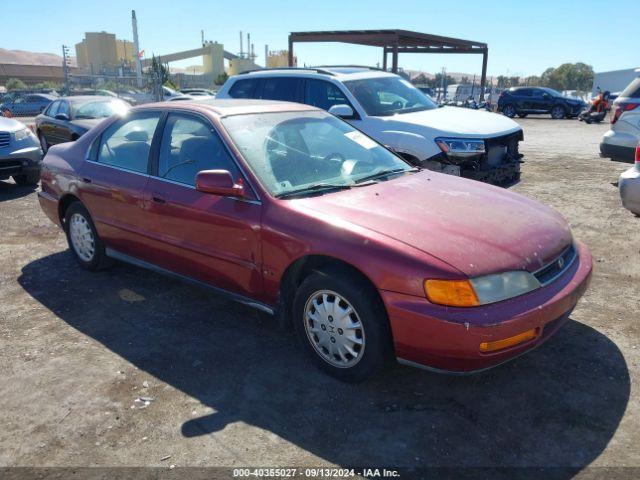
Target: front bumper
<point>19,162</point>
<point>448,338</point>
<point>629,187</point>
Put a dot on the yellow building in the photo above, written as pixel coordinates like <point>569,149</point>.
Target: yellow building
<point>101,50</point>
<point>279,59</point>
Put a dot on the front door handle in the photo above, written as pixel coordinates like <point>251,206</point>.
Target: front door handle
<point>159,200</point>
<point>86,180</point>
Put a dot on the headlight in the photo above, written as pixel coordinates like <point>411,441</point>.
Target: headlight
<point>22,134</point>
<point>461,147</point>
<point>481,290</point>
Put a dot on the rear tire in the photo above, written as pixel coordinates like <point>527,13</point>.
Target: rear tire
<point>509,111</point>
<point>84,242</point>
<point>30,179</point>
<point>43,143</point>
<point>558,112</point>
<point>342,324</point>
<point>522,115</point>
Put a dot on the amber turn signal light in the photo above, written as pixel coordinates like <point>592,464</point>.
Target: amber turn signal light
<point>486,347</point>
<point>454,293</point>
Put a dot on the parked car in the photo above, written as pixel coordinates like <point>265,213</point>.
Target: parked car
<point>629,186</point>
<point>26,105</point>
<point>68,118</point>
<point>198,92</point>
<point>189,98</point>
<point>620,142</point>
<point>523,101</point>
<point>473,144</point>
<point>20,154</point>
<point>289,209</point>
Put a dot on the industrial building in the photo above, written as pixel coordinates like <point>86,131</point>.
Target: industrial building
<point>102,52</point>
<point>615,80</point>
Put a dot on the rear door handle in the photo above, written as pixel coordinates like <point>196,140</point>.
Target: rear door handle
<point>86,180</point>
<point>159,200</point>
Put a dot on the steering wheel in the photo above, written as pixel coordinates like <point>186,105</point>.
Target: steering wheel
<point>334,157</point>
<point>397,105</point>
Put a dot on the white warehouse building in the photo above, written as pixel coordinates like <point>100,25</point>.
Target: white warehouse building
<point>615,80</point>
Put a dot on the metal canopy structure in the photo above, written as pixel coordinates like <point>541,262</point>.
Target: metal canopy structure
<point>396,42</point>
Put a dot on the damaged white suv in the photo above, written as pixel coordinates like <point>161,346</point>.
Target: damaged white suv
<point>459,141</point>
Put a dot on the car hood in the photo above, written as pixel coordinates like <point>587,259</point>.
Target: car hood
<point>458,121</point>
<point>475,227</point>
<point>86,123</point>
<point>10,125</point>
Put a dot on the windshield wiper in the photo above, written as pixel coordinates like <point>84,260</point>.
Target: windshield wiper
<point>385,173</point>
<point>313,188</point>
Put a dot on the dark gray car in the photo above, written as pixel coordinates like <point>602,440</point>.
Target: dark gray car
<point>68,118</point>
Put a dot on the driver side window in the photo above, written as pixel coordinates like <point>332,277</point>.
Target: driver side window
<point>126,144</point>
<point>190,145</point>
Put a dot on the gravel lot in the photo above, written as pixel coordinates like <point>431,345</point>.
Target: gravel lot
<point>230,389</point>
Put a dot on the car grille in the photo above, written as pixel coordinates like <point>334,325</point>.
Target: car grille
<point>503,148</point>
<point>5,138</point>
<point>557,266</point>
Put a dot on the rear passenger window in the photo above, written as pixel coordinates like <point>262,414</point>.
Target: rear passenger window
<point>190,145</point>
<point>285,89</point>
<point>126,144</point>
<point>323,95</point>
<point>243,88</point>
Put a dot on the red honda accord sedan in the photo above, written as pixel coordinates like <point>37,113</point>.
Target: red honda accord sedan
<point>291,210</point>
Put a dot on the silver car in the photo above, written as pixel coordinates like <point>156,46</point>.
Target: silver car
<point>629,186</point>
<point>20,152</point>
<point>620,142</point>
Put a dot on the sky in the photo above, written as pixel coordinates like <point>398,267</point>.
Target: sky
<point>524,37</point>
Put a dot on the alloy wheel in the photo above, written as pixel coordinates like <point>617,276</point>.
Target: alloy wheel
<point>334,329</point>
<point>557,112</point>
<point>82,238</point>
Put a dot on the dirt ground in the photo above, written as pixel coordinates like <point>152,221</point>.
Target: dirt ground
<point>230,389</point>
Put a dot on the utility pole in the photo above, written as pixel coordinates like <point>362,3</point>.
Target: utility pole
<point>136,46</point>
<point>65,67</point>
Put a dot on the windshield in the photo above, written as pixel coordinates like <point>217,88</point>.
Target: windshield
<point>298,151</point>
<point>100,109</point>
<point>386,96</point>
<point>552,92</point>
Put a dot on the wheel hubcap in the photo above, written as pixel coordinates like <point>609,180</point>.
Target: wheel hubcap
<point>334,329</point>
<point>81,237</point>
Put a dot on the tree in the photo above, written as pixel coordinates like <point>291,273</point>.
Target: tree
<point>420,79</point>
<point>160,71</point>
<point>465,80</point>
<point>532,81</point>
<point>220,79</point>
<point>569,76</point>
<point>15,84</point>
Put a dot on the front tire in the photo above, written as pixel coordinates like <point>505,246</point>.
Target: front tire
<point>522,115</point>
<point>43,143</point>
<point>558,112</point>
<point>83,239</point>
<point>342,325</point>
<point>509,111</point>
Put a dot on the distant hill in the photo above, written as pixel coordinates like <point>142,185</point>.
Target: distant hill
<point>32,58</point>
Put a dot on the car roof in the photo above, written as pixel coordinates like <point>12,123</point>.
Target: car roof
<point>228,107</point>
<point>88,98</point>
<point>342,73</point>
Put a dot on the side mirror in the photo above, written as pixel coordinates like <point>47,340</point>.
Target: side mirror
<point>62,116</point>
<point>218,182</point>
<point>342,111</point>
